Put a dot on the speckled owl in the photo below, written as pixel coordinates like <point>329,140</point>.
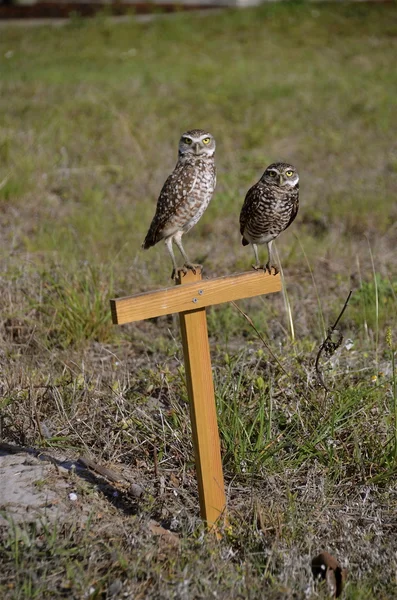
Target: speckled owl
<point>270,206</point>
<point>185,195</point>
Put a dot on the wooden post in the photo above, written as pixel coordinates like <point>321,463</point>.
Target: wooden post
<point>189,298</point>
<point>203,416</point>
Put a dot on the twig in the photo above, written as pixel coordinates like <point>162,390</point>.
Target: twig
<point>36,417</point>
<point>103,471</point>
<point>328,346</point>
<point>4,181</point>
<point>156,462</point>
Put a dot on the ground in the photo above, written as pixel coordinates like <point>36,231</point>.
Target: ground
<point>90,118</point>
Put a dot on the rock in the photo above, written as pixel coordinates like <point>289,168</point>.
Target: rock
<point>115,587</point>
<point>135,490</point>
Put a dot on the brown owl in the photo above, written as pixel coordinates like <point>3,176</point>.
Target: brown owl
<point>269,207</point>
<point>185,194</point>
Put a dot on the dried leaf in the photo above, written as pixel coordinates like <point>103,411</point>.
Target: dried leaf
<point>326,567</point>
<point>174,480</point>
<point>166,535</point>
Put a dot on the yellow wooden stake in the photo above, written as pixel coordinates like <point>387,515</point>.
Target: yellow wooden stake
<point>189,298</point>
<point>203,415</point>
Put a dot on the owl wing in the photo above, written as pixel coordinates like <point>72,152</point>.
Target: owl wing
<point>295,207</point>
<point>251,198</point>
<point>177,187</point>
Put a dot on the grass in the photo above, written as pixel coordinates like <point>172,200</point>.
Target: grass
<point>90,116</point>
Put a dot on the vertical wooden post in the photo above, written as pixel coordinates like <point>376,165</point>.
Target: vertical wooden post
<point>202,408</point>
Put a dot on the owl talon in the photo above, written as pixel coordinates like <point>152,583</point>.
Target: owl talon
<point>193,267</point>
<point>256,267</point>
<point>268,269</point>
<point>178,272</point>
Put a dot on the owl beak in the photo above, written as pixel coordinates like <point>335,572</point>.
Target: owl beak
<point>281,181</point>
<point>196,148</point>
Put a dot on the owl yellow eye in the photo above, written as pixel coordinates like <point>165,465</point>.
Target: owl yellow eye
<point>272,173</point>
<point>206,140</point>
<point>289,173</point>
<point>187,141</point>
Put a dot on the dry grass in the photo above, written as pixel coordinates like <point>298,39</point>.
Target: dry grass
<point>90,117</point>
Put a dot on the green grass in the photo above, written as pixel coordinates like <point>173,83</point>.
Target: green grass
<point>90,116</point>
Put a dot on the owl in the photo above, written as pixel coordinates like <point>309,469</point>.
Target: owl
<point>185,195</point>
<point>269,207</point>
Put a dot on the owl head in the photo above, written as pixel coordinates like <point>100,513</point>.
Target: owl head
<point>281,174</point>
<point>196,142</point>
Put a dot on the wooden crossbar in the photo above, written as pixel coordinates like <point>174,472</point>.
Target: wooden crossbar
<point>190,296</point>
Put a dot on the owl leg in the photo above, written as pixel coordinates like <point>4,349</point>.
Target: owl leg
<point>257,265</point>
<point>188,264</point>
<point>268,267</point>
<point>168,243</point>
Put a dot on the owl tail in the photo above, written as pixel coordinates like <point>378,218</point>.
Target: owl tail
<point>151,237</point>
<point>244,242</point>
<point>149,241</point>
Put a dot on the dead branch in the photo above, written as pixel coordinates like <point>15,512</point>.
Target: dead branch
<point>329,346</point>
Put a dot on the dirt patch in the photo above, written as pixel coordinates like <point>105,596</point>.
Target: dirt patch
<point>43,487</point>
<point>23,497</point>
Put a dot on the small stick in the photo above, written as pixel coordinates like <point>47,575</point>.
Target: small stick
<point>156,462</point>
<point>103,471</point>
<point>329,346</point>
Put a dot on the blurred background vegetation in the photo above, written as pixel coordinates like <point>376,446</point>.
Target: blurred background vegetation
<point>91,114</point>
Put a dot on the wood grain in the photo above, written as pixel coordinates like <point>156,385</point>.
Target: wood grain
<point>203,411</point>
<point>194,293</point>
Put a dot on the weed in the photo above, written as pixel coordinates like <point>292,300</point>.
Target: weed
<point>75,306</point>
